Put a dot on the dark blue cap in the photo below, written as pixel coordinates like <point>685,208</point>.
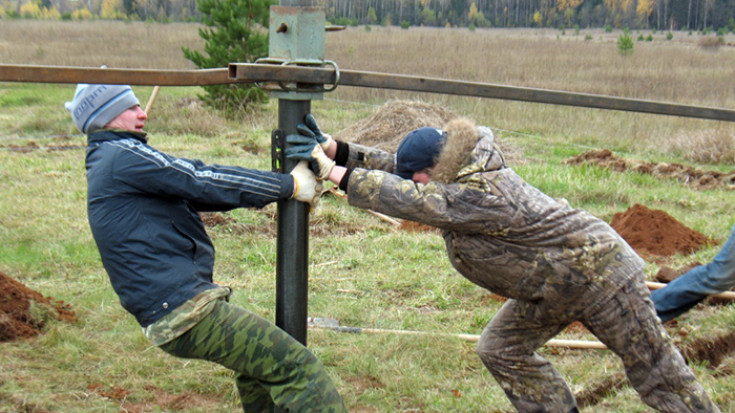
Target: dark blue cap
<point>419,150</point>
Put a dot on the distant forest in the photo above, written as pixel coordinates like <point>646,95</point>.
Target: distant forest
<point>665,15</point>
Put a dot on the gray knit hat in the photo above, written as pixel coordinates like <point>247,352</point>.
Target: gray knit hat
<point>94,106</point>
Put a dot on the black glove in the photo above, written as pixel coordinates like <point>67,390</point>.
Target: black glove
<point>324,139</point>
<point>306,147</point>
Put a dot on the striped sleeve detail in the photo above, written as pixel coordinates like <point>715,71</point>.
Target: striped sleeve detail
<point>253,181</point>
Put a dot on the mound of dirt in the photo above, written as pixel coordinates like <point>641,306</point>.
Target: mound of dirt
<point>391,122</point>
<point>24,312</point>
<point>696,178</point>
<point>385,128</point>
<point>655,232</point>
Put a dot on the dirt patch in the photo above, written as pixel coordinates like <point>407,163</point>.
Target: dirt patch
<point>24,312</point>
<point>598,391</point>
<point>667,274</point>
<point>694,177</point>
<point>319,226</point>
<point>115,393</point>
<point>213,219</point>
<point>710,349</point>
<point>31,145</point>
<point>161,400</point>
<point>411,226</point>
<point>654,232</point>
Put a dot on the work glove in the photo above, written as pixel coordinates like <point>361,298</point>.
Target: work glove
<point>306,148</point>
<point>306,187</point>
<point>324,139</point>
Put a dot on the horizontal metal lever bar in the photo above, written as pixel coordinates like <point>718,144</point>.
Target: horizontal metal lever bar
<point>251,72</point>
<point>143,77</point>
<point>248,72</point>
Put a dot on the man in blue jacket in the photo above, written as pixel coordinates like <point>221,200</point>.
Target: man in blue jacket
<point>143,208</point>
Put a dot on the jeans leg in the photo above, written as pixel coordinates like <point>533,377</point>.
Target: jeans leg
<point>272,369</point>
<point>694,286</point>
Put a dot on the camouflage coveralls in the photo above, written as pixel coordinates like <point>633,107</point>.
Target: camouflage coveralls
<point>556,265</point>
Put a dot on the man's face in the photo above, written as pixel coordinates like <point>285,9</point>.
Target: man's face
<point>423,176</point>
<point>132,119</point>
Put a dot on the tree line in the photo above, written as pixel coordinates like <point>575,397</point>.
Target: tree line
<point>697,15</point>
<point>669,15</point>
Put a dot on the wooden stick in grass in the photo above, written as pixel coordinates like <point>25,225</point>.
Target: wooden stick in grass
<point>727,295</point>
<point>384,217</point>
<point>151,99</point>
<point>333,326</point>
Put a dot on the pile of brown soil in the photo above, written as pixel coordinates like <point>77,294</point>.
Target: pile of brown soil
<point>24,312</point>
<point>392,121</point>
<point>696,178</point>
<point>656,232</point>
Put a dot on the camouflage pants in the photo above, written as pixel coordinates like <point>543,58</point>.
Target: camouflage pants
<point>626,322</point>
<point>272,370</point>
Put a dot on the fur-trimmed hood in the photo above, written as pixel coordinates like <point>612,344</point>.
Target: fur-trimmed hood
<point>469,149</point>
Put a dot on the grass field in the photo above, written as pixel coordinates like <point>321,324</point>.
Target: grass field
<point>363,271</point>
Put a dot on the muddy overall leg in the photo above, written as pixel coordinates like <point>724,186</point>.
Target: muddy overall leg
<point>507,348</point>
<point>272,369</point>
<point>628,325</point>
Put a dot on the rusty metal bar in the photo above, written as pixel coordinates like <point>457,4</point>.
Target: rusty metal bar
<point>142,77</point>
<point>250,72</point>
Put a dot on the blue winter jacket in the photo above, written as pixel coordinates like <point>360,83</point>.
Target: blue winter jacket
<point>143,211</point>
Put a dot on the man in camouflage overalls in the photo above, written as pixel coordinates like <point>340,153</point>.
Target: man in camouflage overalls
<point>556,264</point>
<point>143,208</point>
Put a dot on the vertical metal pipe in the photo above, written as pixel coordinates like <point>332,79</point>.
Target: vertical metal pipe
<point>296,36</point>
<point>292,279</point>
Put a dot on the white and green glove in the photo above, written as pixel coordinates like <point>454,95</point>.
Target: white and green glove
<point>304,146</point>
<point>306,187</point>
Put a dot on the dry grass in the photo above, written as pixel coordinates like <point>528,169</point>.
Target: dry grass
<point>677,71</point>
<point>710,42</point>
<point>95,43</point>
<point>706,146</point>
<point>657,70</point>
<point>680,70</point>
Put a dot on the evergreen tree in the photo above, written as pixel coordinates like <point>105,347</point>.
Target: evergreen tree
<point>237,31</point>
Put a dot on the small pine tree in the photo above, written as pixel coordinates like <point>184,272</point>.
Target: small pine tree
<point>372,17</point>
<point>625,43</point>
<point>236,32</point>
